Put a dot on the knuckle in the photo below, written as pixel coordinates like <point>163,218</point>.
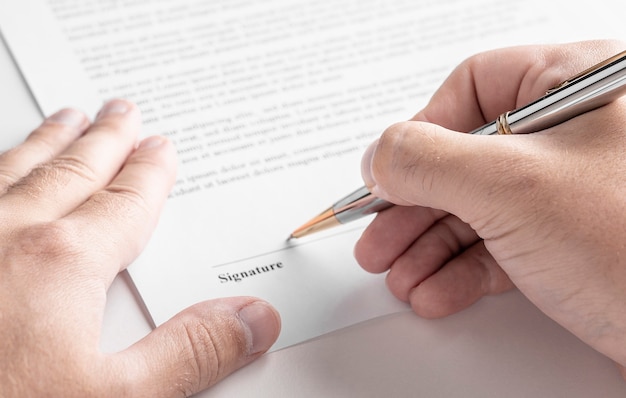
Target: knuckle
<point>53,242</point>
<point>392,138</point>
<point>48,258</point>
<point>388,149</point>
<point>57,172</point>
<point>40,144</point>
<point>209,353</point>
<point>12,164</point>
<point>73,165</point>
<point>45,260</point>
<point>7,178</point>
<point>128,205</point>
<point>117,199</point>
<point>406,148</point>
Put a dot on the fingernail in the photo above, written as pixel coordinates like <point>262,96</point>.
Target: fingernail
<point>68,117</point>
<point>366,165</point>
<point>263,322</point>
<point>151,142</point>
<point>113,107</point>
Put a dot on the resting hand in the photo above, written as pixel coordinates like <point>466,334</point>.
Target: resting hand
<point>77,204</point>
<point>543,212</point>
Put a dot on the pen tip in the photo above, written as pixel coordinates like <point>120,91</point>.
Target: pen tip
<point>324,220</point>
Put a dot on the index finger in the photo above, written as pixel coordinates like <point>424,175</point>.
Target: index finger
<point>491,83</point>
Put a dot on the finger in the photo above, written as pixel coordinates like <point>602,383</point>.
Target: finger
<point>198,347</point>
<point>379,245</point>
<point>55,188</point>
<point>416,163</point>
<point>424,164</point>
<point>42,145</point>
<point>490,83</point>
<point>442,242</point>
<point>460,283</point>
<point>622,370</point>
<point>126,211</point>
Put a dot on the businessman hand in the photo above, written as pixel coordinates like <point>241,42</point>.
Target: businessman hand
<point>544,212</point>
<point>77,204</point>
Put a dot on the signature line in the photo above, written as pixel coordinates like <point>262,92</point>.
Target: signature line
<point>291,246</point>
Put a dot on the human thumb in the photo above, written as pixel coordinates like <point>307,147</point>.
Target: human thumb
<point>470,176</point>
<point>198,347</point>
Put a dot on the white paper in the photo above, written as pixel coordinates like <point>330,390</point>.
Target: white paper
<point>270,105</point>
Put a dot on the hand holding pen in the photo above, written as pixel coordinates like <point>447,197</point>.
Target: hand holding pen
<point>585,91</point>
<point>542,212</point>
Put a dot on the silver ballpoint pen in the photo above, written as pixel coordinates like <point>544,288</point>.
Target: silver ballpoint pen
<point>588,90</point>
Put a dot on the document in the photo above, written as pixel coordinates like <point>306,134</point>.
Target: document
<point>270,105</point>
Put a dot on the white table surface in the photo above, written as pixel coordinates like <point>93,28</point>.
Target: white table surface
<point>502,346</point>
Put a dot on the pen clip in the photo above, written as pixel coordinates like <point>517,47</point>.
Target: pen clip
<point>586,72</point>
